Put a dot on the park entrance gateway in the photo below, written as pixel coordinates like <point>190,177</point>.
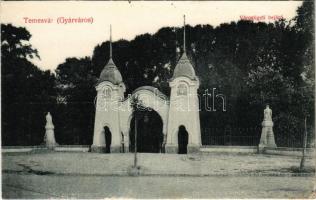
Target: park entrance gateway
<point>177,118</point>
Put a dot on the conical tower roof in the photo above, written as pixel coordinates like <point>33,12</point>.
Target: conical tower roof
<point>110,72</point>
<point>184,68</point>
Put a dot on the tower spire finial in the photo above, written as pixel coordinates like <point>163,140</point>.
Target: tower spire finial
<point>110,41</point>
<point>184,33</point>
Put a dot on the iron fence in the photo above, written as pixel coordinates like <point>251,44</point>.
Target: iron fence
<point>250,136</point>
<point>241,136</point>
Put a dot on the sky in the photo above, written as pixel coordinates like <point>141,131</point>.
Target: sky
<point>56,42</point>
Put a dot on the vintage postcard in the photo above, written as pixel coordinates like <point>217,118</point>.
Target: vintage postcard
<point>157,99</point>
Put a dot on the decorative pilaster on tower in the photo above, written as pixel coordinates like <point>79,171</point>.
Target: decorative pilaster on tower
<point>267,135</point>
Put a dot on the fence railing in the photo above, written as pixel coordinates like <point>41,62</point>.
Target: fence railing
<point>233,140</point>
<point>240,136</point>
<point>250,136</point>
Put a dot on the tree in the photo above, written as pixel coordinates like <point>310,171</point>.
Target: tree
<point>304,27</point>
<point>75,80</point>
<point>27,92</point>
<point>136,109</point>
<point>75,83</point>
<point>14,42</point>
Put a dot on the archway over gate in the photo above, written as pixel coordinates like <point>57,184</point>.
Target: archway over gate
<point>149,132</point>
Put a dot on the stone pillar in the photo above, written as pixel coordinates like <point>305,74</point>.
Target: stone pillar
<point>184,111</point>
<point>98,149</point>
<point>107,115</point>
<point>126,142</point>
<point>163,145</point>
<point>49,137</point>
<point>267,135</point>
<point>115,149</point>
<point>193,148</point>
<point>98,141</point>
<point>169,148</point>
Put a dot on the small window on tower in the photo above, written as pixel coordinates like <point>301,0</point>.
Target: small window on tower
<point>182,90</point>
<point>106,93</point>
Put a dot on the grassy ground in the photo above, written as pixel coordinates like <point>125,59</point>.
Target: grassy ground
<point>151,164</point>
<point>91,175</point>
<point>36,186</point>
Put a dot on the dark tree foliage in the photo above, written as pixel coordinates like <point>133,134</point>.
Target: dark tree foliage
<point>75,85</point>
<point>305,29</point>
<point>27,92</point>
<point>250,63</point>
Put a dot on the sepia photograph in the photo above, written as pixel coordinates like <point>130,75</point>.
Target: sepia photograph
<point>158,99</point>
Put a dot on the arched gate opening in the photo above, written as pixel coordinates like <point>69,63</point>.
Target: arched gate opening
<point>183,139</point>
<point>108,139</point>
<point>149,132</point>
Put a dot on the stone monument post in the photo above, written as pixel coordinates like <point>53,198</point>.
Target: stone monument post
<point>267,135</point>
<point>49,138</point>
